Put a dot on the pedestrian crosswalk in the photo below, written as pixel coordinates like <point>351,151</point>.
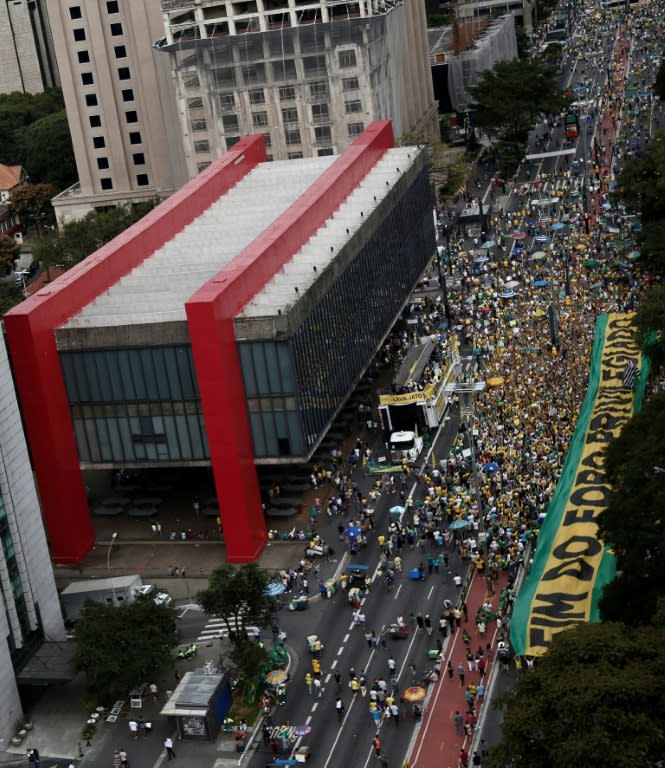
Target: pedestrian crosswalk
<point>216,628</point>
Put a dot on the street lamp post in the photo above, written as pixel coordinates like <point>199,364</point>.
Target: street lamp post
<point>114,536</point>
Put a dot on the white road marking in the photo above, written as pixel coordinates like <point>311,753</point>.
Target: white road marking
<point>339,653</point>
<point>346,638</point>
<point>334,664</point>
<point>397,592</point>
<point>309,720</point>
<point>314,706</point>
<point>327,680</point>
<point>429,594</point>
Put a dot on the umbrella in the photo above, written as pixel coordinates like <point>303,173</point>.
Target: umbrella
<point>414,693</point>
<point>607,206</point>
<point>542,238</point>
<point>517,249</point>
<point>274,588</point>
<point>538,256</point>
<point>507,294</point>
<point>512,283</point>
<point>491,467</point>
<point>590,263</point>
<point>456,525</point>
<point>634,255</point>
<point>488,244</point>
<point>352,531</point>
<point>539,313</point>
<point>481,259</point>
<point>276,677</point>
<point>495,381</point>
<point>558,225</point>
<point>397,510</point>
<point>518,235</point>
<point>540,283</point>
<point>301,730</point>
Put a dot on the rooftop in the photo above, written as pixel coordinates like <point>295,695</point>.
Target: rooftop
<point>156,291</point>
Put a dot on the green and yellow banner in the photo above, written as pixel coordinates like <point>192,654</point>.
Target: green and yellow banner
<point>571,566</point>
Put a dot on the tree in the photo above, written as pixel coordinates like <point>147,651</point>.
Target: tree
<point>9,250</point>
<point>10,296</point>
<point>596,698</point>
<point>18,111</point>
<point>79,239</point>
<point>650,321</point>
<point>659,85</point>
<point>249,658</point>
<point>236,596</point>
<point>632,523</point>
<point>49,154</point>
<point>121,647</point>
<point>509,98</point>
<point>523,42</point>
<point>32,204</point>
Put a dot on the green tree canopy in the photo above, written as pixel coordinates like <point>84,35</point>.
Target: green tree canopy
<point>596,698</point>
<point>49,154</point>
<point>32,203</point>
<point>121,647</point>
<point>650,321</point>
<point>633,522</point>
<point>509,98</point>
<point>17,112</point>
<point>10,296</point>
<point>9,250</point>
<point>659,85</point>
<point>79,239</point>
<point>236,596</point>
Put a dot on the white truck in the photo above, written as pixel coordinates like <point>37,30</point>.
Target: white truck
<point>116,590</point>
<point>404,444</point>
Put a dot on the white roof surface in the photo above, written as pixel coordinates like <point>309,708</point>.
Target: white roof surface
<point>156,291</point>
<point>324,245</point>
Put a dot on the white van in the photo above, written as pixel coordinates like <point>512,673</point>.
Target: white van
<point>405,445</point>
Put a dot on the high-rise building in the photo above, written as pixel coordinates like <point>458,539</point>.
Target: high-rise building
<point>27,63</point>
<point>309,76</point>
<point>31,606</point>
<point>118,96</point>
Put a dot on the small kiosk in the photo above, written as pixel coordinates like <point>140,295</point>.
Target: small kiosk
<point>200,703</point>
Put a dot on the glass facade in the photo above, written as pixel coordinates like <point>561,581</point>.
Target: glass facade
<point>135,405</point>
<point>294,388</point>
<point>21,649</point>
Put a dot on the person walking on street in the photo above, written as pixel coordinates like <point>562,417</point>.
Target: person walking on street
<point>392,666</point>
<point>123,758</point>
<point>339,706</point>
<point>459,723</point>
<point>376,742</point>
<point>460,672</point>
<point>450,670</point>
<point>308,682</point>
<point>168,746</point>
<point>117,760</point>
<point>394,713</point>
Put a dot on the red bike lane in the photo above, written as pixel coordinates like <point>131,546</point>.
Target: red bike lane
<point>437,743</point>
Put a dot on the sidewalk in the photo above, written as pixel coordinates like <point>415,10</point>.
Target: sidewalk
<point>437,742</point>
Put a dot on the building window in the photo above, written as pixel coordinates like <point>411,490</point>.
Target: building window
<point>227,101</point>
<point>232,141</point>
<point>287,93</point>
<point>268,140</point>
<point>192,82</point>
<point>138,158</point>
<point>132,116</point>
<point>324,152</point>
<point>260,119</point>
<point>322,134</point>
<point>106,183</point>
<point>230,123</point>
<point>350,84</point>
<point>124,73</point>
<point>283,70</point>
<point>318,90</point>
<point>255,73</point>
<point>201,146</point>
<point>199,125</point>
<point>135,137</point>
<point>102,163</point>
<point>290,116</point>
<point>98,142</point>
<point>128,94</point>
<point>355,129</point>
<point>195,102</point>
<point>75,12</point>
<point>347,59</point>
<point>83,57</point>
<point>293,137</point>
<point>142,180</point>
<point>79,34</point>
<point>91,100</point>
<point>351,107</point>
<point>87,78</point>
<point>112,6</point>
<point>320,113</point>
<point>116,29</point>
<point>95,121</point>
<point>257,96</point>
<point>202,166</point>
<point>294,155</point>
<point>120,51</point>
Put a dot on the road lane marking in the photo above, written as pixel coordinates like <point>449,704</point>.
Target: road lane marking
<point>339,653</point>
<point>327,680</point>
<point>314,706</point>
<point>429,594</point>
<point>346,638</point>
<point>308,720</point>
<point>334,664</point>
<point>398,589</point>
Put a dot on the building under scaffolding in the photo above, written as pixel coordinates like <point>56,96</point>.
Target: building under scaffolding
<point>308,76</point>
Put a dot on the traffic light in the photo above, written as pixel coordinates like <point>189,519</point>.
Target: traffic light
<point>572,123</point>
